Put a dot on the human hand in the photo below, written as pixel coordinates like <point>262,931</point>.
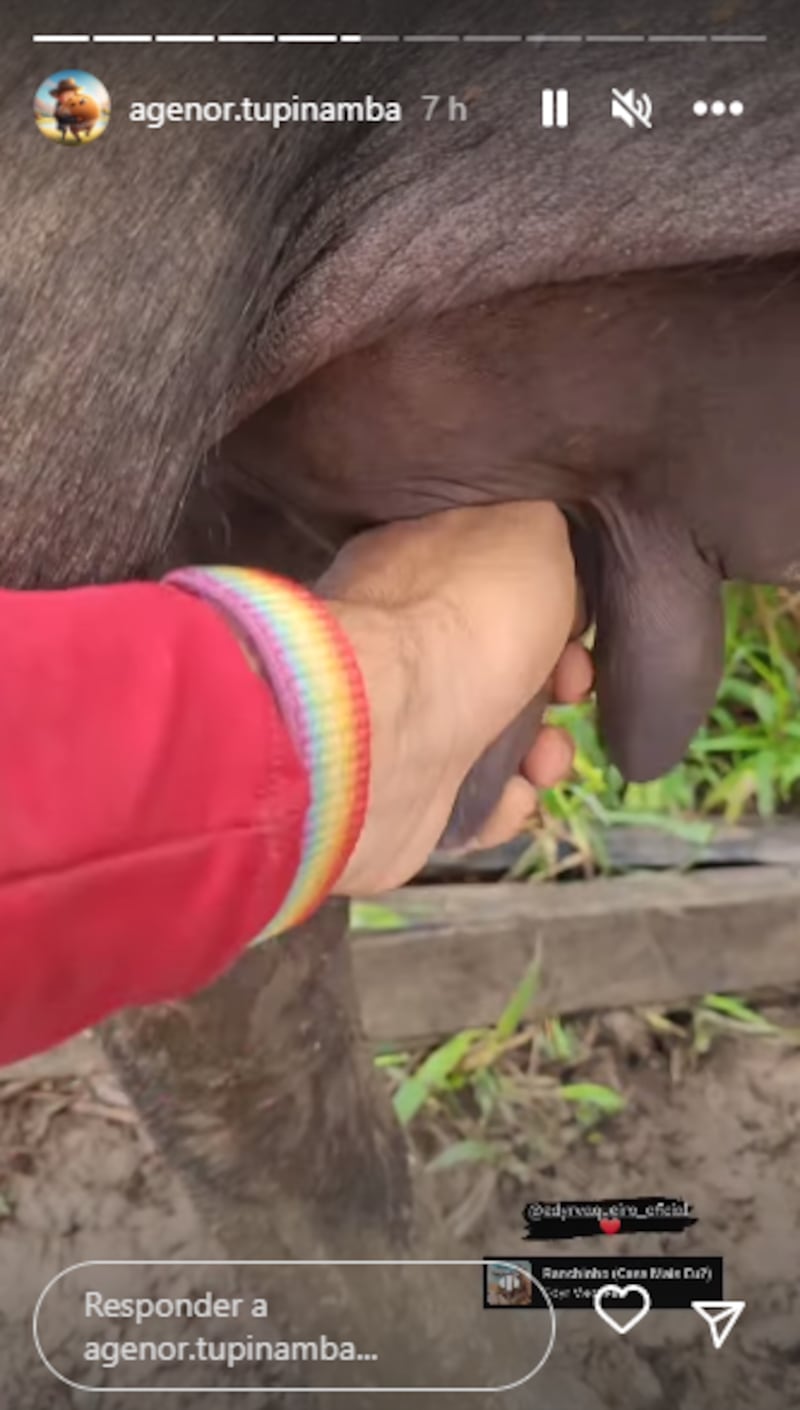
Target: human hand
<point>457,620</point>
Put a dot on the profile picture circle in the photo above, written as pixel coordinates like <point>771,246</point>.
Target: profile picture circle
<point>72,107</point>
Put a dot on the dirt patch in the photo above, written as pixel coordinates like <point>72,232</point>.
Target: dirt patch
<point>725,1135</point>
<point>79,1179</point>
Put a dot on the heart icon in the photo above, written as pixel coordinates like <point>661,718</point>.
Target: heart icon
<point>608,1292</point>
<point>610,1226</point>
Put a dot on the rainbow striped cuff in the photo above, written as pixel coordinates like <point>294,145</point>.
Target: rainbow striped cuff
<point>309,663</point>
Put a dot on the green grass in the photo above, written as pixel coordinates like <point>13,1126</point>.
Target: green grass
<point>516,1097</point>
<point>517,1093</point>
<point>716,1016</point>
<point>506,1096</point>
<point>745,759</point>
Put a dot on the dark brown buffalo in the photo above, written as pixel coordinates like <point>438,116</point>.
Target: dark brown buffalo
<point>627,400</point>
<point>286,334</point>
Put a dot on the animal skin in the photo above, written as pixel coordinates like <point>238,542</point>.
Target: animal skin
<point>450,305</point>
<point>218,338</point>
<point>658,409</point>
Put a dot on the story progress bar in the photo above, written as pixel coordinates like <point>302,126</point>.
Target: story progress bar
<point>399,38</point>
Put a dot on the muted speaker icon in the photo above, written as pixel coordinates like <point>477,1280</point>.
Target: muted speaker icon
<point>632,107</point>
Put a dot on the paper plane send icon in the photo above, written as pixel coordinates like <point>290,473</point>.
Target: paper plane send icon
<point>721,1318</point>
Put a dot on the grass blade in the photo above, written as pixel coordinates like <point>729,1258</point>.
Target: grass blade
<point>518,1005</point>
<point>433,1073</point>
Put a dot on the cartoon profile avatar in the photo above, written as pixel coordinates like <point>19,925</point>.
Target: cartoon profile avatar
<point>72,107</point>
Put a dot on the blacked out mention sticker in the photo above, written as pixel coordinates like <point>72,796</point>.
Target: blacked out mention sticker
<point>579,1219</point>
<point>621,1288</point>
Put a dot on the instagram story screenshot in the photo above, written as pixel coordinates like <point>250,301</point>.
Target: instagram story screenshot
<point>400,705</point>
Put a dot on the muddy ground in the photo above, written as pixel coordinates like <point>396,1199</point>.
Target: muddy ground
<point>80,1179</point>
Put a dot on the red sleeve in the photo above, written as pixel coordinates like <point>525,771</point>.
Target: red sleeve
<point>151,805</point>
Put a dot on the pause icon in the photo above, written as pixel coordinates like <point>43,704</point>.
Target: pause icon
<point>555,107</point>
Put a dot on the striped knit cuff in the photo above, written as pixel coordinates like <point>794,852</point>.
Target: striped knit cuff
<point>305,656</point>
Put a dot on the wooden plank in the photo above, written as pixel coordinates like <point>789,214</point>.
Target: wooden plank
<point>611,943</point>
<point>751,841</point>
<point>603,944</point>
